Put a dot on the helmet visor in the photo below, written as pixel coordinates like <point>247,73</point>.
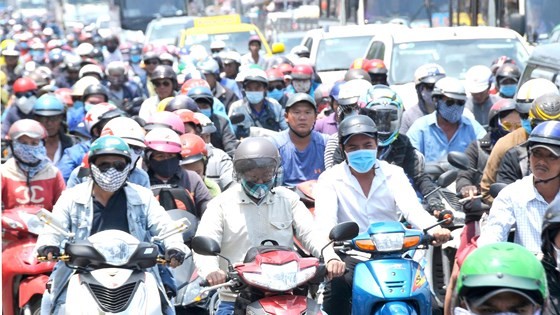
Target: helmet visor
<point>256,169</point>
<point>385,118</point>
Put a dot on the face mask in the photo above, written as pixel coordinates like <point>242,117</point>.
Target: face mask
<point>118,81</point>
<point>25,104</point>
<point>276,94</point>
<point>207,112</point>
<point>111,180</point>
<point>29,154</point>
<point>526,124</point>
<point>165,168</point>
<point>88,106</point>
<point>254,97</point>
<point>78,104</point>
<point>508,90</point>
<point>362,160</point>
<point>427,98</point>
<point>135,59</point>
<point>301,86</point>
<point>451,113</point>
<point>257,191</point>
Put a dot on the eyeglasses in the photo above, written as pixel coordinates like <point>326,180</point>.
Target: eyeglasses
<point>451,102</point>
<point>272,87</point>
<point>25,94</point>
<point>160,83</point>
<point>151,62</point>
<point>508,125</point>
<point>119,166</point>
<point>48,119</point>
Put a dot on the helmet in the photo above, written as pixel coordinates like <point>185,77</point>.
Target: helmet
<point>48,105</point>
<point>201,93</point>
<point>64,94</point>
<point>166,57</point>
<point>39,78</point>
<point>375,66</point>
<point>274,74</point>
<point>300,51</point>
<point>300,97</point>
<point>530,90</point>
<point>206,124</point>
<point>386,110</point>
<point>335,90</point>
<point>546,133</point>
<point>478,79</point>
<point>428,74</point>
<point>508,70</point>
<point>358,63</point>
<point>108,145</point>
<point>286,68</point>
<point>193,148</point>
<point>551,221</point>
<point>163,140</point>
<point>117,67</point>
<point>93,116</point>
<point>94,89</point>
<point>255,75</point>
<point>72,62</point>
<point>127,129</point>
<point>506,266</point>
<point>84,49</point>
<point>351,92</point>
<point>27,127</point>
<point>450,87</point>
<point>165,120</point>
<point>217,44</point>
<point>354,125</point>
<point>230,56</point>
<point>500,61</point>
<point>501,106</point>
<point>163,72</point>
<point>90,69</point>
<point>208,66</point>
<point>302,72</point>
<point>181,102</point>
<point>255,38</point>
<point>355,74</point>
<point>191,83</point>
<point>277,61</point>
<point>321,93</point>
<point>255,152</point>
<point>546,107</point>
<point>150,55</point>
<point>187,116</point>
<point>80,86</point>
<point>23,85</point>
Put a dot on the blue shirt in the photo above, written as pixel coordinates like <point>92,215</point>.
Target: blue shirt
<point>426,136</point>
<point>299,166</point>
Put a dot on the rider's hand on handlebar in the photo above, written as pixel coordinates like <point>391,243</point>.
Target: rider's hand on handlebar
<point>441,236</point>
<point>50,252</point>
<point>175,257</point>
<point>335,268</point>
<point>216,277</point>
<point>469,191</point>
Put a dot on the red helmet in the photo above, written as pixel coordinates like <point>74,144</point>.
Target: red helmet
<point>187,116</point>
<point>26,127</point>
<point>358,63</point>
<point>375,66</point>
<point>24,85</point>
<point>191,83</point>
<point>65,95</point>
<point>302,72</point>
<point>193,148</point>
<point>285,68</point>
<point>274,75</point>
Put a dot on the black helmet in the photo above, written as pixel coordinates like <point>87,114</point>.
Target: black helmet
<point>96,89</point>
<point>181,102</point>
<point>354,125</point>
<point>502,106</point>
<point>300,97</point>
<point>508,70</point>
<point>164,72</point>
<point>551,224</point>
<point>150,55</point>
<point>354,74</point>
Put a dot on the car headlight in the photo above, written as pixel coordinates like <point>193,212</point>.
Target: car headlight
<point>388,242</point>
<point>280,277</point>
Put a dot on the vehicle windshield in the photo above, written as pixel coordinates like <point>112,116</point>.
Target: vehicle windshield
<point>150,8</point>
<point>455,56</point>
<point>237,41</point>
<point>169,32</point>
<point>339,53</point>
<point>32,4</point>
<point>542,17</point>
<point>413,12</point>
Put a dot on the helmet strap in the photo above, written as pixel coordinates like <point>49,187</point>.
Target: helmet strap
<point>544,181</point>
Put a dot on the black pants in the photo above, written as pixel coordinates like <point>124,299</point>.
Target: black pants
<point>338,292</point>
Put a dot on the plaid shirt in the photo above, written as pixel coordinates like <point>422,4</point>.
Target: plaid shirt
<point>521,206</point>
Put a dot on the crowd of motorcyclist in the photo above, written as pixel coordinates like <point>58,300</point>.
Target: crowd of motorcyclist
<point>94,129</point>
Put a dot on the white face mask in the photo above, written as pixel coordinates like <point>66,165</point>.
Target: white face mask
<point>301,86</point>
<point>25,104</point>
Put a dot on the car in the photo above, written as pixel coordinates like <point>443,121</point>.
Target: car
<point>332,49</point>
<point>544,62</point>
<point>290,39</point>
<point>166,30</point>
<point>456,49</point>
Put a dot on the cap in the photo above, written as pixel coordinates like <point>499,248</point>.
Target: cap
<point>552,148</point>
<point>478,79</point>
<point>478,301</point>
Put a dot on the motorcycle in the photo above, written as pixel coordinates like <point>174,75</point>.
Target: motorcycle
<point>274,274</point>
<point>390,281</point>
<point>111,271</point>
<point>24,279</point>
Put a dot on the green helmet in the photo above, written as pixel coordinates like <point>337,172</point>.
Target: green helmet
<point>502,266</point>
<point>108,145</point>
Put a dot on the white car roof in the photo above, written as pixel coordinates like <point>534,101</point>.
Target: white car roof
<point>352,30</point>
<point>449,33</point>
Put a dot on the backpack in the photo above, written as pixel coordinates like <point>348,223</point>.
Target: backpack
<point>174,197</point>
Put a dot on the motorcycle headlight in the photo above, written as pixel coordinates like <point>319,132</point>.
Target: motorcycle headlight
<point>280,277</point>
<point>117,251</point>
<point>388,242</point>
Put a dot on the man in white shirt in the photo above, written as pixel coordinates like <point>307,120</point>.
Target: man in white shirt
<point>365,191</point>
<point>254,57</point>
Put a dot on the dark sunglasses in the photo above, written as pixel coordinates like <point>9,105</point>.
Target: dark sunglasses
<point>160,83</point>
<point>451,102</point>
<point>151,62</point>
<point>275,86</point>
<point>45,119</point>
<point>119,166</point>
<point>25,94</point>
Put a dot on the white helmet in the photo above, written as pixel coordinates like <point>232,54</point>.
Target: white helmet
<point>127,129</point>
<point>84,49</point>
<point>450,87</point>
<point>530,90</point>
<point>478,79</point>
<point>95,112</point>
<point>91,68</point>
<point>352,91</point>
<point>428,73</point>
<point>79,87</point>
<point>206,124</point>
<point>230,55</point>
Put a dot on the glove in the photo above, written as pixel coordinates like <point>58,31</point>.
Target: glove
<point>435,204</point>
<point>175,253</point>
<point>45,250</point>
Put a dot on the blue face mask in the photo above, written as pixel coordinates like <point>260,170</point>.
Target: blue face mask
<point>526,124</point>
<point>508,90</point>
<point>451,113</point>
<point>276,94</point>
<point>254,97</point>
<point>135,59</point>
<point>362,161</point>
<point>207,112</point>
<point>78,104</point>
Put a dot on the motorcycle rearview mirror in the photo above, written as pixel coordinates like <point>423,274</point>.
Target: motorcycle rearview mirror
<point>496,188</point>
<point>447,178</point>
<point>344,231</point>
<point>206,246</point>
<point>237,118</point>
<point>459,160</point>
<point>48,218</point>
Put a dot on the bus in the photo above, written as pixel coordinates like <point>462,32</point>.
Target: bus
<point>136,14</point>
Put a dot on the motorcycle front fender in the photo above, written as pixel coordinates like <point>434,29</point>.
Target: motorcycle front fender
<point>30,287</point>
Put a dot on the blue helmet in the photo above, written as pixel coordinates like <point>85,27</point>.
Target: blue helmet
<point>48,105</point>
<point>201,93</point>
<point>335,90</point>
<point>545,133</point>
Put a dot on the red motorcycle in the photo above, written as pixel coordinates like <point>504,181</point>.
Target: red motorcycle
<point>272,276</point>
<point>23,277</point>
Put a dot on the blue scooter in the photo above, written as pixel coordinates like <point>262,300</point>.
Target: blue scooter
<point>391,282</point>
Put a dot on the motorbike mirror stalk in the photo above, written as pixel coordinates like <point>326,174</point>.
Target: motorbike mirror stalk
<point>341,232</point>
<point>47,217</point>
<point>207,246</point>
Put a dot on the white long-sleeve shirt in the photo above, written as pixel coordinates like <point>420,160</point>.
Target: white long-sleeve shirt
<point>339,198</point>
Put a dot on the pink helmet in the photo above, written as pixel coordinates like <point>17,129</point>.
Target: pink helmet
<point>27,127</point>
<point>166,120</point>
<point>163,140</point>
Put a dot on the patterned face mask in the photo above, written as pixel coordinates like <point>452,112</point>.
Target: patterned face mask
<point>257,191</point>
<point>110,180</point>
<point>31,158</point>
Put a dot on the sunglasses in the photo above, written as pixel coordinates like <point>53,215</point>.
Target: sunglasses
<point>507,125</point>
<point>275,86</point>
<point>160,83</point>
<point>451,102</point>
<point>119,166</point>
<point>46,119</point>
<point>25,94</point>
<point>151,62</point>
